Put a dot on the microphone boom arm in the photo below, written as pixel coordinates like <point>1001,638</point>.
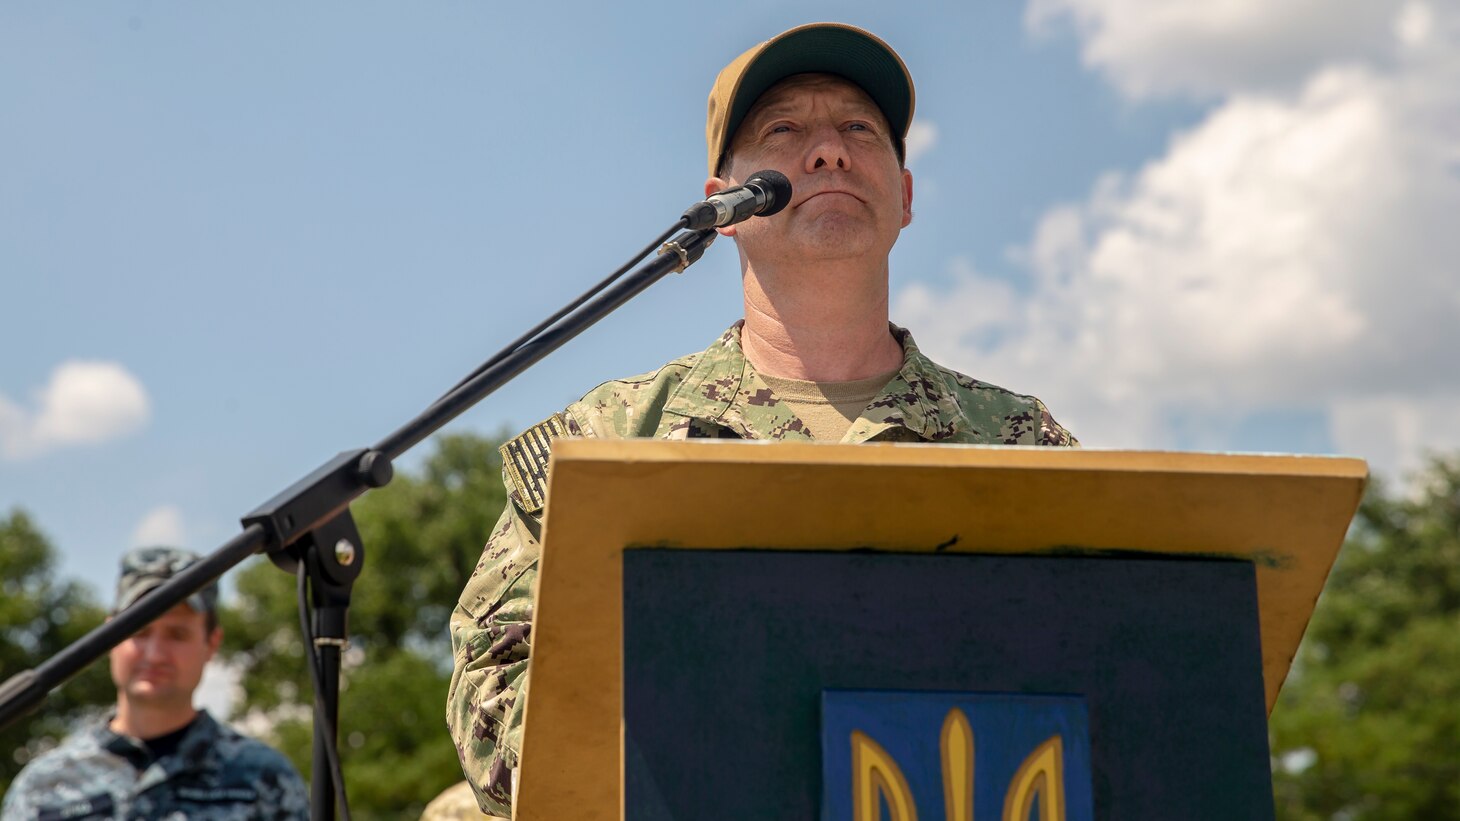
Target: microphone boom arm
<point>296,525</point>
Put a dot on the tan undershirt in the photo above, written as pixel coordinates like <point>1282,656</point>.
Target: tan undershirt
<point>828,409</point>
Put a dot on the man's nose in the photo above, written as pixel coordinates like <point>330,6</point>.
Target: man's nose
<point>828,150</point>
<point>153,647</point>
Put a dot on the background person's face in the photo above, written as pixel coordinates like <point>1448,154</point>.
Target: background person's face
<point>163,662</point>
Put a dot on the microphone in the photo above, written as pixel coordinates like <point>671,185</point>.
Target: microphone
<point>764,194</point>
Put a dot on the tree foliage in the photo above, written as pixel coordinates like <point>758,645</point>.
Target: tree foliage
<point>39,616</point>
<point>423,535</point>
<point>1368,724</point>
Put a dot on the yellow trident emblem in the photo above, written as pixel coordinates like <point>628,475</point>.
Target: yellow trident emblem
<point>875,775</point>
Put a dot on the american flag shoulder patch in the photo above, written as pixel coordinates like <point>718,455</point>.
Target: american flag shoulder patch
<point>525,461</point>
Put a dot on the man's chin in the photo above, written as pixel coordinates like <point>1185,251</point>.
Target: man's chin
<point>836,237</point>
<point>826,236</point>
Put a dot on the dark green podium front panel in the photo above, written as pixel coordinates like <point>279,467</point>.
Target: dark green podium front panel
<point>726,654</point>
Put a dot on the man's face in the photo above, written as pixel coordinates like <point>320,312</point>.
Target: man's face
<point>850,196</point>
<point>163,662</point>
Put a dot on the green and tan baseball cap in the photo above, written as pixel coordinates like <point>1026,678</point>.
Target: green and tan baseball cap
<point>826,48</point>
<point>147,568</point>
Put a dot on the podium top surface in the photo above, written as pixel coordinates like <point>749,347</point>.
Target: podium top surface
<point>1286,514</point>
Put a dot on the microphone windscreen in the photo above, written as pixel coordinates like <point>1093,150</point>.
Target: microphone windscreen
<point>780,189</point>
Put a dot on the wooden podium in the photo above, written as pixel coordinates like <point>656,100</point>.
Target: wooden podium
<point>696,598</point>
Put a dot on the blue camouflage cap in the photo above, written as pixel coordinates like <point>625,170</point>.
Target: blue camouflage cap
<point>147,568</point>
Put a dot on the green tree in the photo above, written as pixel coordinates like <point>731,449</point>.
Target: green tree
<point>39,616</point>
<point>1368,725</point>
<point>423,535</point>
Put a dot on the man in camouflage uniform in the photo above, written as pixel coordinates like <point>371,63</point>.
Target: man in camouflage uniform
<point>156,756</point>
<point>814,359</point>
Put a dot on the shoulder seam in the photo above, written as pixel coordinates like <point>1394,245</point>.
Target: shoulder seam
<point>683,363</point>
<point>980,384</point>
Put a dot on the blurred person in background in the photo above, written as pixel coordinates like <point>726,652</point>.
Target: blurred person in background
<point>155,755</point>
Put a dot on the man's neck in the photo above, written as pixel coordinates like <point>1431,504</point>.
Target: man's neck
<point>818,328</point>
<point>150,721</point>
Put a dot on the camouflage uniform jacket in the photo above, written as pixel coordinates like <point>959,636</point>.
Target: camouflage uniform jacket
<point>215,774</point>
<point>715,394</point>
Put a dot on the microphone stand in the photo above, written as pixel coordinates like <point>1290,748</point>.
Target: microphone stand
<point>307,529</point>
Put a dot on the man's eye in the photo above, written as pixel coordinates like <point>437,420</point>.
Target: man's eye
<point>858,127</point>
<point>780,129</point>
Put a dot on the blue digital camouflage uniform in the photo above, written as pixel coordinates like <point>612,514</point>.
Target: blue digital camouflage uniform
<point>714,394</point>
<point>215,775</point>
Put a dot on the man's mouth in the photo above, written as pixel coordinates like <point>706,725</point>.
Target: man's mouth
<point>830,192</point>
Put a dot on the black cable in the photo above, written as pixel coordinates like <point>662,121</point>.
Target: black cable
<point>567,309</point>
<point>316,678</point>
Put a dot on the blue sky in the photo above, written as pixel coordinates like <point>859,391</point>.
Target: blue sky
<point>238,238</point>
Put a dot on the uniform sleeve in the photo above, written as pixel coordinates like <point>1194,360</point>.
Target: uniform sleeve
<point>491,632</point>
<point>19,801</point>
<point>1052,433</point>
<point>293,795</point>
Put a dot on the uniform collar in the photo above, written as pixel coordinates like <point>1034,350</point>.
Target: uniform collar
<point>720,381</point>
<point>196,746</point>
<point>722,388</point>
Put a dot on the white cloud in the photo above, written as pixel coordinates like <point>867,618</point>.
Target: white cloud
<point>1415,24</point>
<point>1218,46</point>
<point>1293,251</point>
<point>922,135</point>
<point>84,402</point>
<point>161,526</point>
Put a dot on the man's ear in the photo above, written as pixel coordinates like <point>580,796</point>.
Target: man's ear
<point>907,197</point>
<point>215,640</point>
